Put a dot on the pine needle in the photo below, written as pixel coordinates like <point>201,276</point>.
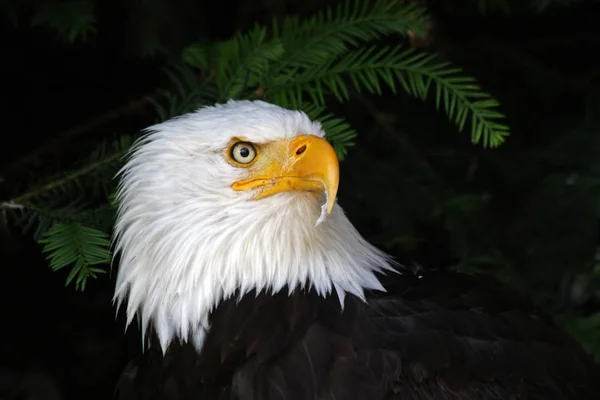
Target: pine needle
<point>77,245</point>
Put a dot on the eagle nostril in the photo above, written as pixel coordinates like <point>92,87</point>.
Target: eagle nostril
<point>301,150</point>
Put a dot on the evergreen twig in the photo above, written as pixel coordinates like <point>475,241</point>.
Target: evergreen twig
<point>23,199</point>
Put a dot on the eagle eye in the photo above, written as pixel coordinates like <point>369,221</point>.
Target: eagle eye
<point>243,152</point>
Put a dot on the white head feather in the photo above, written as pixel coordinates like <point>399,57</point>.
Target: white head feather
<point>187,240</point>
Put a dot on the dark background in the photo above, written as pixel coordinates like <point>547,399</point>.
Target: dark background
<point>526,212</point>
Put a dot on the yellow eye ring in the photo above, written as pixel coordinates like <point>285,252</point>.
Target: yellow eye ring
<point>243,153</point>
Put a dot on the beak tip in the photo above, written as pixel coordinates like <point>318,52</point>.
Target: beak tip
<point>326,210</point>
<point>330,207</point>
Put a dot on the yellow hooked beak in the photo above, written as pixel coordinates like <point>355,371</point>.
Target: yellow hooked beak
<point>305,163</point>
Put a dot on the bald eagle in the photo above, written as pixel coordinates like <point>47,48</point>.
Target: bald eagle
<point>249,282</point>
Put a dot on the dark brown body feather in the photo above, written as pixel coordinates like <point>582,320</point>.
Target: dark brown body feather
<point>440,337</point>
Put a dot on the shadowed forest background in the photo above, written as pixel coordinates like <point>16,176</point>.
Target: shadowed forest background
<point>83,74</point>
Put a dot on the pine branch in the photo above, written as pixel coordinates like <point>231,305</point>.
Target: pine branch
<point>462,100</point>
<point>585,329</point>
<point>77,245</point>
<point>40,219</point>
<point>191,91</point>
<point>251,53</point>
<point>71,198</point>
<point>24,199</point>
<point>352,23</point>
<point>306,60</point>
<point>197,55</point>
<point>73,20</point>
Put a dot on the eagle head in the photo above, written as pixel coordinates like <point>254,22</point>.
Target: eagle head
<point>232,198</point>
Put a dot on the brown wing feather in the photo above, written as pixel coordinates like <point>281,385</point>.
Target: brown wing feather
<point>443,337</point>
<point>482,342</point>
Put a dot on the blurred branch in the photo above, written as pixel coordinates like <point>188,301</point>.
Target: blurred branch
<point>565,39</point>
<point>21,200</point>
<point>85,127</point>
<point>386,121</point>
<point>503,50</point>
